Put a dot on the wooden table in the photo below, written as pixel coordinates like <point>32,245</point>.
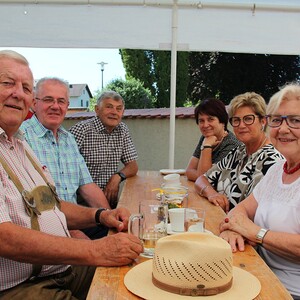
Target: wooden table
<point>108,281</point>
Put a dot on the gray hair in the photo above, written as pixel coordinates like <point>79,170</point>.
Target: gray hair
<point>14,55</point>
<point>110,95</point>
<point>56,80</point>
<point>283,95</point>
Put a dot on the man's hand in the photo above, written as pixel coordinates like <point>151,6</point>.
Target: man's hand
<point>118,249</point>
<point>116,218</point>
<point>112,189</point>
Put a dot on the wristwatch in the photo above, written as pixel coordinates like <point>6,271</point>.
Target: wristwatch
<point>205,147</point>
<point>122,175</point>
<point>97,216</point>
<point>260,235</point>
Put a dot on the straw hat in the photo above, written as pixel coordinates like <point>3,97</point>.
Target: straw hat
<point>191,264</point>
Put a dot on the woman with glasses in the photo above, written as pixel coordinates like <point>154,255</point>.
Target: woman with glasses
<point>216,140</point>
<point>233,178</point>
<point>269,217</point>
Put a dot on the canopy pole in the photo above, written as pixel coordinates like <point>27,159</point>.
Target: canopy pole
<point>173,85</point>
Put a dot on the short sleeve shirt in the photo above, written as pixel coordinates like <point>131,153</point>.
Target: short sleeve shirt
<point>279,210</point>
<point>103,151</point>
<point>61,156</point>
<point>229,142</point>
<point>13,210</point>
<point>236,175</point>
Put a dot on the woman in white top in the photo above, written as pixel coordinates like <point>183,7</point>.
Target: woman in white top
<point>270,216</point>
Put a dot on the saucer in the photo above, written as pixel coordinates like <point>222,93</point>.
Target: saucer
<point>169,230</point>
<point>172,171</point>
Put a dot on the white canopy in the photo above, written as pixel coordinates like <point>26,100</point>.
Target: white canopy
<point>260,26</point>
<point>232,26</point>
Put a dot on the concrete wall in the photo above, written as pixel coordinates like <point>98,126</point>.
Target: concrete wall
<point>151,138</point>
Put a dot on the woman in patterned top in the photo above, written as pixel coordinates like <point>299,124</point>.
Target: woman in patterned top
<point>233,178</point>
<point>216,141</point>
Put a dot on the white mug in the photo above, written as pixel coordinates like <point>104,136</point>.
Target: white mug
<point>176,216</point>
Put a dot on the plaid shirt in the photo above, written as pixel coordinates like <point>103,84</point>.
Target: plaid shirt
<point>12,208</point>
<point>103,151</point>
<point>61,157</point>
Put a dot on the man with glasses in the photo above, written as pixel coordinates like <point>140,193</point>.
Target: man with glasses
<point>57,149</point>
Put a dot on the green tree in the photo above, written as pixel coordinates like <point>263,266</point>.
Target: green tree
<point>153,68</point>
<point>225,75</point>
<point>132,91</point>
<point>209,74</point>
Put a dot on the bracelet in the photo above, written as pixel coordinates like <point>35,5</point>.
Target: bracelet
<point>260,235</point>
<point>202,190</point>
<point>98,214</point>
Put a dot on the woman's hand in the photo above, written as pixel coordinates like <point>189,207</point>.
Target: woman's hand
<point>211,141</point>
<point>235,240</point>
<point>219,200</point>
<point>242,225</point>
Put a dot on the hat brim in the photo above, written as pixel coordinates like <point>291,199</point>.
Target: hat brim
<point>139,281</point>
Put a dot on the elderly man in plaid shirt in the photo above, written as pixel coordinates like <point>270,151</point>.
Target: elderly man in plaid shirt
<point>105,141</point>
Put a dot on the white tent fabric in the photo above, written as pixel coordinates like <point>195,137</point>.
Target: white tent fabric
<point>242,26</point>
<point>231,26</point>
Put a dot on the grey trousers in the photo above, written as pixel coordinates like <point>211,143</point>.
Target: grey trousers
<point>72,286</point>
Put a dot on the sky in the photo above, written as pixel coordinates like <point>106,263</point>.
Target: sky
<point>74,65</point>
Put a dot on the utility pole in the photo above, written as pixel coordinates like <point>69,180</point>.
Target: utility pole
<point>102,63</point>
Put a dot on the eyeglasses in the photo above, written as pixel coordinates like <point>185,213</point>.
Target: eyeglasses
<point>293,121</point>
<point>248,120</point>
<point>51,101</point>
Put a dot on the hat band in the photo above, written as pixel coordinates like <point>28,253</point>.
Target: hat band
<point>198,291</point>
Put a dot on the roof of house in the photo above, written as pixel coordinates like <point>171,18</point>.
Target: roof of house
<point>146,113</point>
<point>77,88</point>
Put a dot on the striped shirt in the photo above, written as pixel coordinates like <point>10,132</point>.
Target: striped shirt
<point>103,151</point>
<point>12,208</point>
<point>61,157</point>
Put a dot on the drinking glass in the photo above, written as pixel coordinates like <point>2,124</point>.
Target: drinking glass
<point>152,225</point>
<point>194,219</point>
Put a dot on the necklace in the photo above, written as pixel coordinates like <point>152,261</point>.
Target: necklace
<point>223,136</point>
<point>290,171</point>
<point>262,143</point>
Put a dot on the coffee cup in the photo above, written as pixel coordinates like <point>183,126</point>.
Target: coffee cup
<point>176,216</point>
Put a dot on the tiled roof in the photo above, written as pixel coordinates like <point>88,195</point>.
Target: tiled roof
<point>146,113</point>
<point>77,88</point>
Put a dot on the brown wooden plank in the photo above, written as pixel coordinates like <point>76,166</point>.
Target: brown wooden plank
<point>108,282</point>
